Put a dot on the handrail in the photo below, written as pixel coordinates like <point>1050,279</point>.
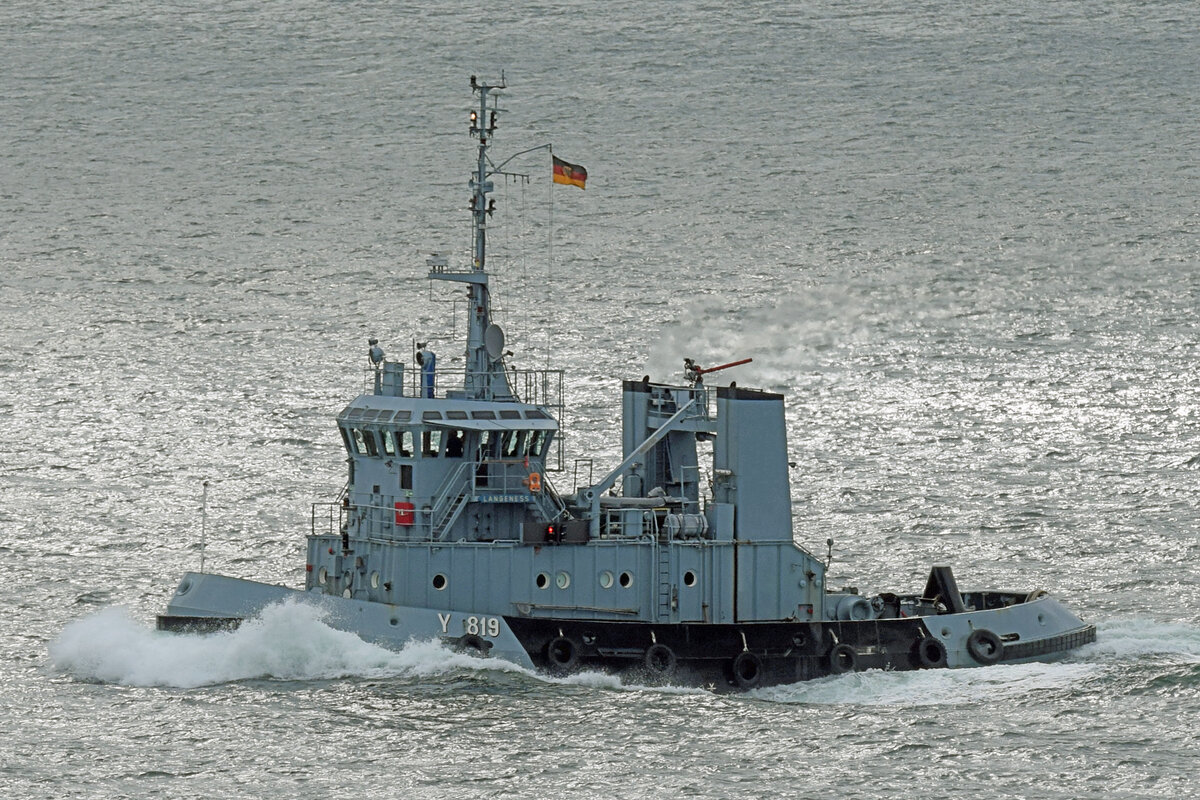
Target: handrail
<point>460,486</point>
<point>537,387</point>
<point>445,496</point>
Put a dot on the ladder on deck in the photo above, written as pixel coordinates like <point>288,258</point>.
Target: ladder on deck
<point>663,557</point>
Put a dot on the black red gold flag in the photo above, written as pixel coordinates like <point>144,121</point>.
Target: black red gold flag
<point>571,174</point>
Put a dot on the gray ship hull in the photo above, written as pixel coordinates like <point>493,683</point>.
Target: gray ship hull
<point>719,656</point>
<point>205,602</point>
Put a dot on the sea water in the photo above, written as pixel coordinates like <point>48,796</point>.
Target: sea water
<point>963,240</point>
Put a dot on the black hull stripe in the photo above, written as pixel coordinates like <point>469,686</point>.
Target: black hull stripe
<point>1052,644</point>
<point>785,652</point>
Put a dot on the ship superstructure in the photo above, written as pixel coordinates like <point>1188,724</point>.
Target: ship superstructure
<point>449,526</point>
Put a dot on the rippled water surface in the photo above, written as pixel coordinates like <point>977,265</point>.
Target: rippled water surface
<point>962,239</point>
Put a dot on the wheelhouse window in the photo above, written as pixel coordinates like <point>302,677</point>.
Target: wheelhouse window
<point>512,443</point>
<point>431,443</point>
<point>487,441</point>
<point>454,444</point>
<point>389,442</point>
<point>406,443</point>
<point>537,441</point>
<point>364,442</point>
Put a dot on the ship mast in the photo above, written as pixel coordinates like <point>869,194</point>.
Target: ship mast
<point>485,378</point>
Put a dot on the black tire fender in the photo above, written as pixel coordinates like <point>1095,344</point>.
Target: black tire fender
<point>562,654</point>
<point>930,653</point>
<point>747,670</point>
<point>985,646</point>
<point>660,659</point>
<point>843,658</point>
<point>472,643</point>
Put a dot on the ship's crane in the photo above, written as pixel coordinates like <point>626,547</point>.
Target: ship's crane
<point>695,373</point>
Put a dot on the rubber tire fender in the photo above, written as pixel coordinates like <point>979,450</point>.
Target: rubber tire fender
<point>660,659</point>
<point>747,670</point>
<point>985,646</point>
<point>843,658</point>
<point>562,654</point>
<point>931,653</point>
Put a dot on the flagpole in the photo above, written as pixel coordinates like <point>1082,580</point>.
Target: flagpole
<point>550,250</point>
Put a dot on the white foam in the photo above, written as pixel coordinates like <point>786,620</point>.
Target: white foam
<point>288,641</point>
<point>1135,638</point>
<point>931,687</point>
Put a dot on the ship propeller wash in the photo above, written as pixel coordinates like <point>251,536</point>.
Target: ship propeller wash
<point>449,528</point>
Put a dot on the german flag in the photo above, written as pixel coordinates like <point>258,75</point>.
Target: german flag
<point>570,174</point>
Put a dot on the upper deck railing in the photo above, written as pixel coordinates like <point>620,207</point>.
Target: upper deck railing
<point>539,387</point>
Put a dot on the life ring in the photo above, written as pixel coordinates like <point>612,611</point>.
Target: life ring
<point>562,654</point>
<point>660,659</point>
<point>843,658</point>
<point>747,670</point>
<point>534,482</point>
<point>985,646</point>
<point>472,643</point>
<point>931,653</point>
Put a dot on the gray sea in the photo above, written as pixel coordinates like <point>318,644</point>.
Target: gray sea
<point>964,238</point>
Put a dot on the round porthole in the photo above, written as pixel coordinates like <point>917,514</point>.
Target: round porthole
<point>689,578</point>
<point>562,580</point>
<point>374,580</point>
<point>542,580</point>
<point>626,580</point>
<point>606,580</point>
<point>322,576</point>
<point>439,581</point>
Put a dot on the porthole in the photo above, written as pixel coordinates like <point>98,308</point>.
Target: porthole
<point>626,580</point>
<point>374,580</point>
<point>322,576</point>
<point>562,580</point>
<point>542,580</point>
<point>689,578</point>
<point>606,580</point>
<point>439,581</point>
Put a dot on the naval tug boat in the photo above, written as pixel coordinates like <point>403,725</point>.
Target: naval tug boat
<point>450,528</point>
